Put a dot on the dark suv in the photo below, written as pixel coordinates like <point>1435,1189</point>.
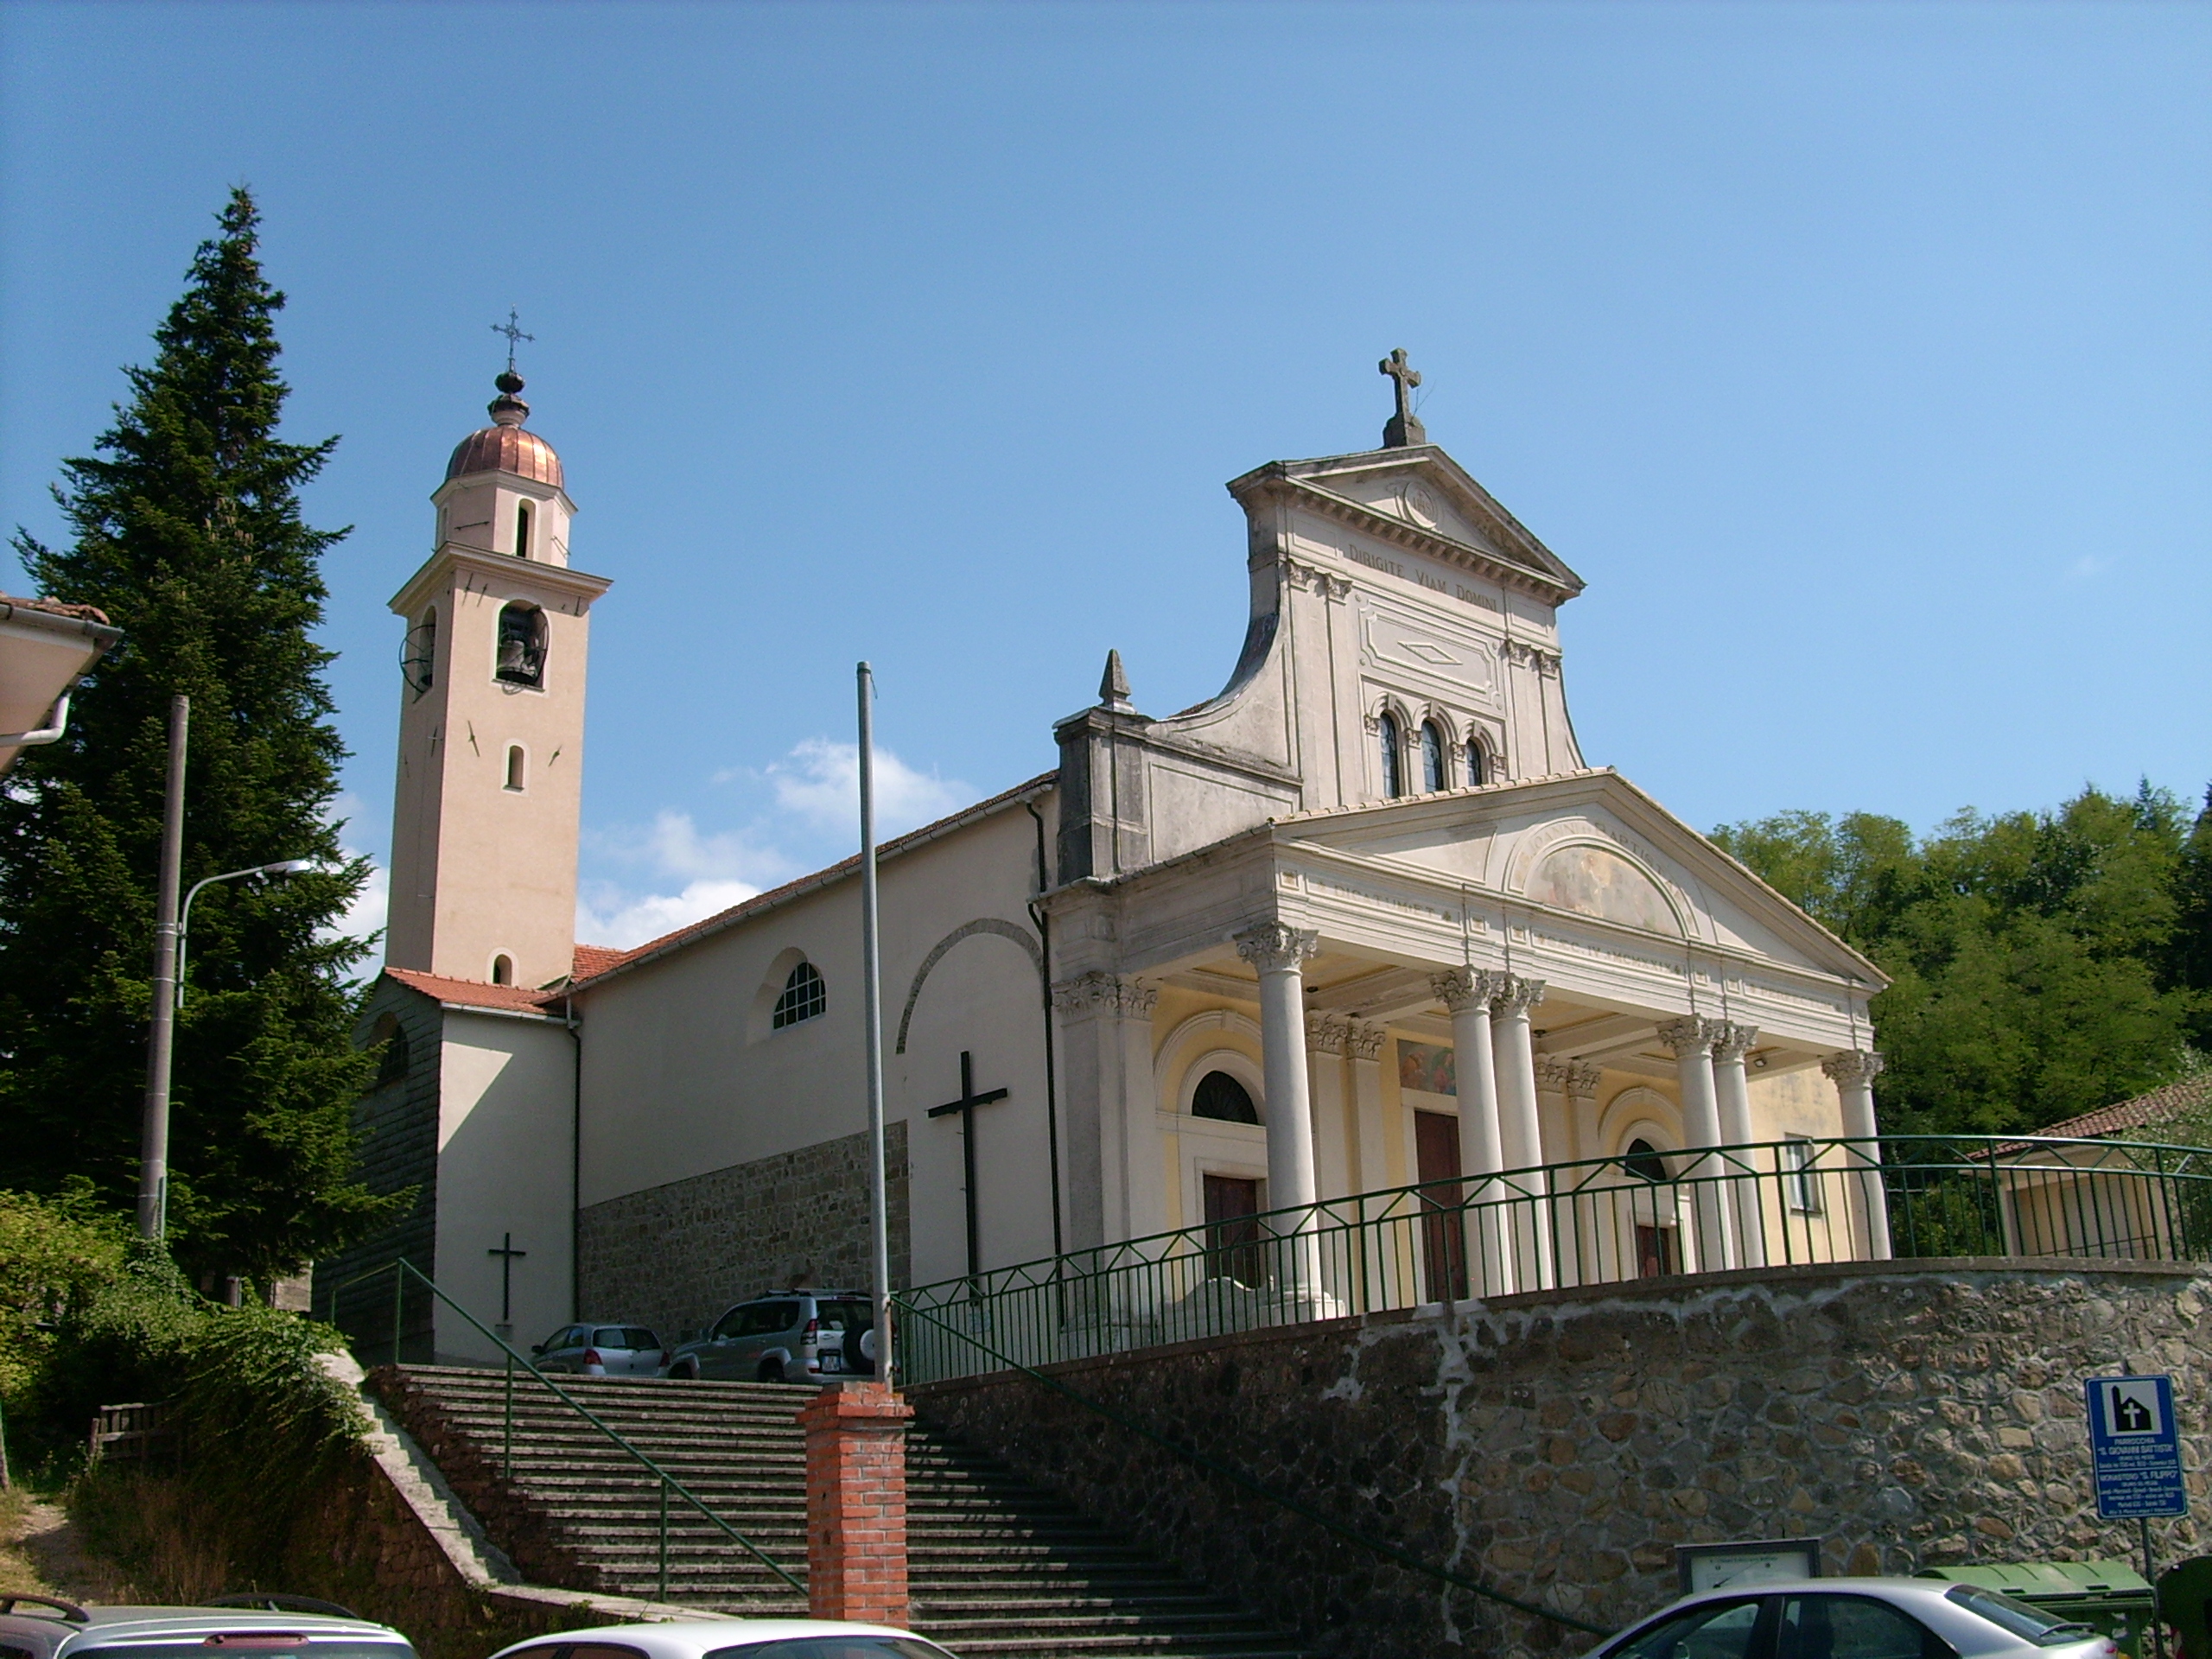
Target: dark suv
<point>799,1336</point>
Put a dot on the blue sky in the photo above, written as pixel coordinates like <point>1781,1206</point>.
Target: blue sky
<point>1858,356</point>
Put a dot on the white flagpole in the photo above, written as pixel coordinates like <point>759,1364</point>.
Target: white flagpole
<point>878,1211</point>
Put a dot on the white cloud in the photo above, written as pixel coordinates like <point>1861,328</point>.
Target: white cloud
<point>628,922</point>
<point>814,791</point>
<point>820,782</point>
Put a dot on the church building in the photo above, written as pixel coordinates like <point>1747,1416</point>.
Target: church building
<point>1366,918</point>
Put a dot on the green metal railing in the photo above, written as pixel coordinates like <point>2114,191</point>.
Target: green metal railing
<point>402,1270</point>
<point>1596,1221</point>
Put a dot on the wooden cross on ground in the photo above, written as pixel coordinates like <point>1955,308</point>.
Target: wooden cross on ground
<point>508,1256</point>
<point>965,1105</point>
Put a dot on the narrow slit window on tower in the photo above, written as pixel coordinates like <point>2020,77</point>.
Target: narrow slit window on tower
<point>516,774</point>
<point>522,646</point>
<point>1432,759</point>
<point>1386,730</point>
<point>1478,763</point>
<point>522,530</point>
<point>805,996</point>
<point>503,969</point>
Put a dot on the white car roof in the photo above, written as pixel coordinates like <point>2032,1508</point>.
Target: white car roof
<point>104,1625</point>
<point>688,1638</point>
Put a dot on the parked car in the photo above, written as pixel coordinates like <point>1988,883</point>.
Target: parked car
<point>729,1638</point>
<point>1855,1619</point>
<point>796,1337</point>
<point>45,1627</point>
<point>603,1350</point>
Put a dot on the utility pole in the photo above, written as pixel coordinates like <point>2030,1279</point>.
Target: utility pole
<point>878,1208</point>
<point>153,1142</point>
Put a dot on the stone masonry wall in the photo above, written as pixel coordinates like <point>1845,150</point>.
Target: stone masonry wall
<point>1558,1446</point>
<point>675,1256</point>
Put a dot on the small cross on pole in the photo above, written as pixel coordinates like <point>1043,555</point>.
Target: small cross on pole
<point>508,1255</point>
<point>512,330</point>
<point>1403,429</point>
<point>965,1105</point>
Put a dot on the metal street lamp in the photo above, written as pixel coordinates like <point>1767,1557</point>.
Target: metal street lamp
<point>168,979</point>
<point>283,867</point>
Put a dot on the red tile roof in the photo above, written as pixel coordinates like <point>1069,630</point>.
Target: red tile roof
<point>595,959</point>
<point>2157,1107</point>
<point>474,993</point>
<point>57,607</point>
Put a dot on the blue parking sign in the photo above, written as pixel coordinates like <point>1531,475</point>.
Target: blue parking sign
<point>2135,1447</point>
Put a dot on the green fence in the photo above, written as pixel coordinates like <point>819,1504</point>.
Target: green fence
<point>1600,1221</point>
<point>521,1372</point>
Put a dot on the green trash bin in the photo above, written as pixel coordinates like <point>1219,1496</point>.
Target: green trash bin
<point>2107,1596</point>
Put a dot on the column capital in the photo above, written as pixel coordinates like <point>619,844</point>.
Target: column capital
<point>1364,1040</point>
<point>1328,1033</point>
<point>1270,947</point>
<point>1853,1065</point>
<point>1511,996</point>
<point>1099,992</point>
<point>1576,1079</point>
<point>1465,987</point>
<point>1731,1040</point>
<point>1690,1033</point>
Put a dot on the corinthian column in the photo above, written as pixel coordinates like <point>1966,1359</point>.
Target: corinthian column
<point>1465,993</point>
<point>1853,1072</point>
<point>1511,1000</point>
<point>1572,1219</point>
<point>1278,954</point>
<point>1733,1097</point>
<point>1691,1038</point>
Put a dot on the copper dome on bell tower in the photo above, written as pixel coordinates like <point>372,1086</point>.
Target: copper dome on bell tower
<point>504,446</point>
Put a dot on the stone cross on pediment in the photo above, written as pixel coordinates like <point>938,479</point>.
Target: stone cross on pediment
<point>1403,430</point>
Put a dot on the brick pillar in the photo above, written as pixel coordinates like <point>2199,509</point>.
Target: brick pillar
<point>856,1503</point>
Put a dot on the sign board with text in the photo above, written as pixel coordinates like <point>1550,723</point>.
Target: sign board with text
<point>2135,1447</point>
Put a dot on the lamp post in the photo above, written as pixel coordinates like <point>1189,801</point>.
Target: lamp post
<point>168,979</point>
<point>283,867</point>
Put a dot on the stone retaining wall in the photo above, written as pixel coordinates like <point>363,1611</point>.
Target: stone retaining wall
<point>675,1256</point>
<point>1558,1446</point>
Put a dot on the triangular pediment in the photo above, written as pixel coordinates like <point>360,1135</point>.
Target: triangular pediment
<point>1590,846</point>
<point>1421,499</point>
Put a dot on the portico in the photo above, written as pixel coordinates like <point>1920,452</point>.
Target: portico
<point>1579,982</point>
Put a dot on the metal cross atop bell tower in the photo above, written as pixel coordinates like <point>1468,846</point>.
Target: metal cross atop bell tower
<point>512,330</point>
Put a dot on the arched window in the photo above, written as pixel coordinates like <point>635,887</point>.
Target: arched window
<point>515,767</point>
<point>418,657</point>
<point>522,530</point>
<point>1432,759</point>
<point>391,1065</point>
<point>1386,730</point>
<point>1642,1159</point>
<point>503,969</point>
<point>1478,763</point>
<point>805,996</point>
<point>521,645</point>
<point>1222,1097</point>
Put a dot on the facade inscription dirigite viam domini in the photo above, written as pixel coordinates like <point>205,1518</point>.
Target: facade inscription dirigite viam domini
<point>1246,932</point>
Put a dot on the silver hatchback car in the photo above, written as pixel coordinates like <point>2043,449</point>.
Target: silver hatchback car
<point>43,1627</point>
<point>1856,1618</point>
<point>603,1350</point>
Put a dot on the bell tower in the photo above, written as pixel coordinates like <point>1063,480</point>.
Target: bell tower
<point>486,814</point>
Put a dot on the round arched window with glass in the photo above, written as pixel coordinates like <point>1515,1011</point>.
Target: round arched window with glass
<point>805,997</point>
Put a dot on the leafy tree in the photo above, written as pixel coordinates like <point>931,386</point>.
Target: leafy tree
<point>2189,958</point>
<point>187,530</point>
<point>2031,956</point>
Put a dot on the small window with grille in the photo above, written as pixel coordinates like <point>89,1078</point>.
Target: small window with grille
<point>1801,1181</point>
<point>805,996</point>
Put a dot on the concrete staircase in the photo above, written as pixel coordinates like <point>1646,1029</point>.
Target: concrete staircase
<point>995,1566</point>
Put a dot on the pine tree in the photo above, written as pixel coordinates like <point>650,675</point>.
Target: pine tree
<point>188,531</point>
